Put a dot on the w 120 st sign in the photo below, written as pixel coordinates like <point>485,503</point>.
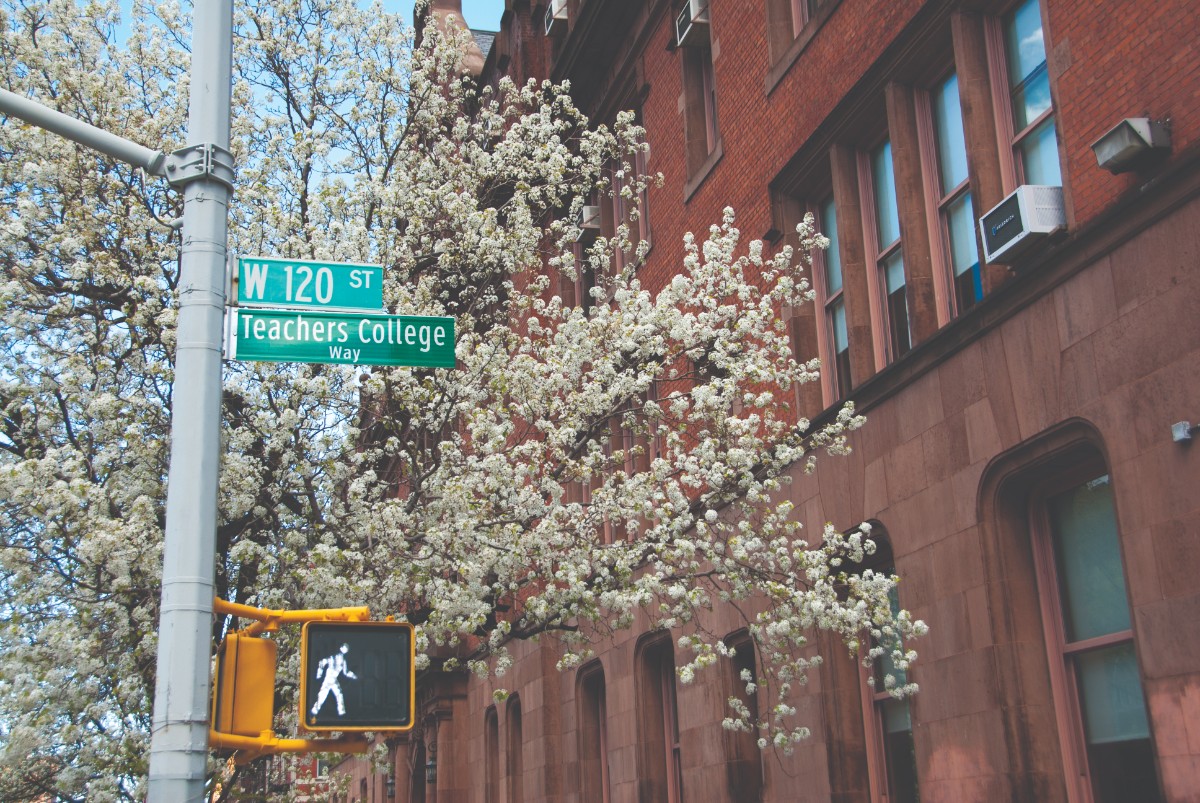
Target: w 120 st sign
<point>278,335</point>
<point>272,282</point>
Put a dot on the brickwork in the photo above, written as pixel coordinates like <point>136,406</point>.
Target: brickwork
<point>1086,353</point>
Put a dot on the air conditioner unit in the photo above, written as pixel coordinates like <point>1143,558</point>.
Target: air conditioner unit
<point>691,26</point>
<point>556,17</point>
<point>588,220</point>
<point>1021,220</point>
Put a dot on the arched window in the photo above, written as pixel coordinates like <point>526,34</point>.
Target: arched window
<point>491,756</point>
<point>593,735</point>
<point>887,721</point>
<point>1053,539</point>
<point>1094,673</point>
<point>660,771</point>
<point>745,767</point>
<point>516,757</point>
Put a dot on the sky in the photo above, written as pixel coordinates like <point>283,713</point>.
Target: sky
<point>483,15</point>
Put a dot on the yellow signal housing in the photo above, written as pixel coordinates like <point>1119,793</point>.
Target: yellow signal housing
<point>244,703</point>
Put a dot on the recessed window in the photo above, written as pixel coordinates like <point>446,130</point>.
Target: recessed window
<point>516,751</point>
<point>893,719</point>
<point>837,358</point>
<point>956,210</point>
<point>891,751</point>
<point>491,757</point>
<point>889,253</point>
<point>660,763</point>
<point>593,736</point>
<point>700,106</point>
<point>1035,145</point>
<point>787,21</point>
<point>745,758</point>
<point>1094,669</point>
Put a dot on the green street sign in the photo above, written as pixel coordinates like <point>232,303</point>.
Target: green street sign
<point>270,282</point>
<point>276,335</point>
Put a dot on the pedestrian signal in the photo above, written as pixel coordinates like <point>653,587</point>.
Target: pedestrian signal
<point>244,694</point>
<point>357,676</point>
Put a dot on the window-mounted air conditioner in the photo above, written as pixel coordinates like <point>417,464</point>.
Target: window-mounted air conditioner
<point>1021,221</point>
<point>588,220</point>
<point>691,26</point>
<point>556,17</point>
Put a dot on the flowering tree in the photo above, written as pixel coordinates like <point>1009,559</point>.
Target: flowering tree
<point>588,459</point>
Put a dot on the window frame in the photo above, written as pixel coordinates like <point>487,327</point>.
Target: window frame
<point>939,200</point>
<point>873,697</point>
<point>1011,165</point>
<point>660,762</point>
<point>491,756</point>
<point>514,736</point>
<point>1060,653</point>
<point>593,712</point>
<point>740,744</point>
<point>878,254</point>
<point>791,26</point>
<point>836,381</point>
<point>703,147</point>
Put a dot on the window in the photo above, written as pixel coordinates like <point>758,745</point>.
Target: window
<point>641,167</point>
<point>700,113</point>
<point>837,358</point>
<point>891,752</point>
<point>516,757</point>
<point>491,757</point>
<point>786,24</point>
<point>956,211</point>
<point>745,759</point>
<point>1035,147</point>
<point>803,11</point>
<point>616,209</point>
<point>889,259</point>
<point>1094,670</point>
<point>593,736</point>
<point>660,766</point>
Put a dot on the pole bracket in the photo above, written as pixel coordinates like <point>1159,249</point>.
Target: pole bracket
<point>195,162</point>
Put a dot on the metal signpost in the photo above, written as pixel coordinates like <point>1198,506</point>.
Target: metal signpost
<point>204,171</point>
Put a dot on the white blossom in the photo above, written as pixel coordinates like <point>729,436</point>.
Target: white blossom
<point>474,501</point>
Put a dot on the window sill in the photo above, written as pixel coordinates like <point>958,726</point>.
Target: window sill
<point>703,171</point>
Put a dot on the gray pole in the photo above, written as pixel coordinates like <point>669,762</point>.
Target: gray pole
<point>152,161</point>
<point>179,739</point>
<point>179,742</point>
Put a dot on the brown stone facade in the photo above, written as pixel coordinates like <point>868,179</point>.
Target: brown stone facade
<point>1071,368</point>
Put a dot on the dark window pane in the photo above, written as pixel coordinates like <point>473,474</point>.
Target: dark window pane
<point>1124,772</point>
<point>968,288</point>
<point>897,305</point>
<point>900,752</point>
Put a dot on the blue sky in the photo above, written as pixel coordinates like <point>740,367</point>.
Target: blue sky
<point>483,15</point>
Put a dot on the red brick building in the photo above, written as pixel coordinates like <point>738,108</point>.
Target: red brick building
<point>1019,460</point>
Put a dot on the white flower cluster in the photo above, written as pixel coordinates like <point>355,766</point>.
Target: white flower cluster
<point>587,461</point>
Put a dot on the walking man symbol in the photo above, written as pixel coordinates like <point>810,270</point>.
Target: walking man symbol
<point>333,667</point>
